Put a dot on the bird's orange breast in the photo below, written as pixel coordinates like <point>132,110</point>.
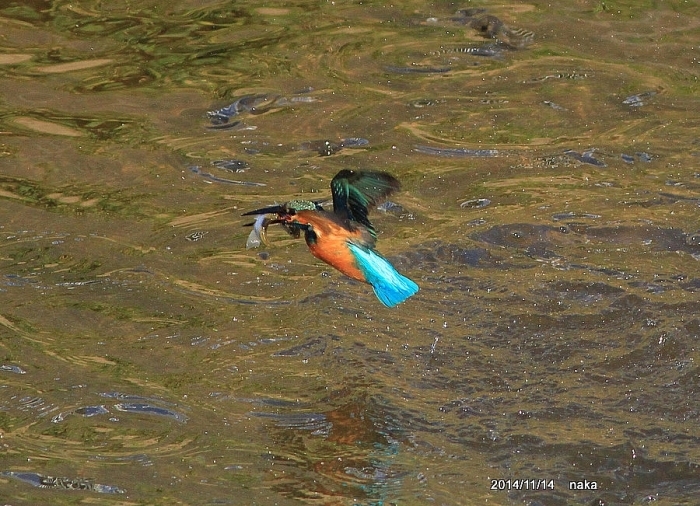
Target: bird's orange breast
<point>331,243</point>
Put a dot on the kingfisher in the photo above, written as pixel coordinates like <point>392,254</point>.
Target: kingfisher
<point>345,238</point>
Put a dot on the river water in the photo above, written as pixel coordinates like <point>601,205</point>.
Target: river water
<point>548,155</point>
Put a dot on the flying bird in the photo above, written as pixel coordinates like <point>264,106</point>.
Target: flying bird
<point>345,238</point>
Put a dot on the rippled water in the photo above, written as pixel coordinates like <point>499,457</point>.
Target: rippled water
<point>549,213</point>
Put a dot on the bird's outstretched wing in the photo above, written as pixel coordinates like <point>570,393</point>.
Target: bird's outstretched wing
<point>354,192</point>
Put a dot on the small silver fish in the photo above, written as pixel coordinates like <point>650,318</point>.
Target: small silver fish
<point>258,235</point>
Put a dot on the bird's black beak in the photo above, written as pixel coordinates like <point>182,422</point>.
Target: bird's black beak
<point>278,209</point>
<point>270,222</point>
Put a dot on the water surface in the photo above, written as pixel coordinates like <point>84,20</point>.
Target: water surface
<point>549,213</point>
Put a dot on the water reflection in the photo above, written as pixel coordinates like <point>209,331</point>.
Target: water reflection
<point>350,447</point>
<point>40,481</point>
<point>549,213</point>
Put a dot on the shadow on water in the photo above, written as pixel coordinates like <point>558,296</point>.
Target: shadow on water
<point>548,212</point>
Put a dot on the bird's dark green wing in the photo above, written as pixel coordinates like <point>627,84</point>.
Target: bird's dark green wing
<point>354,192</point>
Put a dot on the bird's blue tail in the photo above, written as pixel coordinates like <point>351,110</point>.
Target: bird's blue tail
<point>390,287</point>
